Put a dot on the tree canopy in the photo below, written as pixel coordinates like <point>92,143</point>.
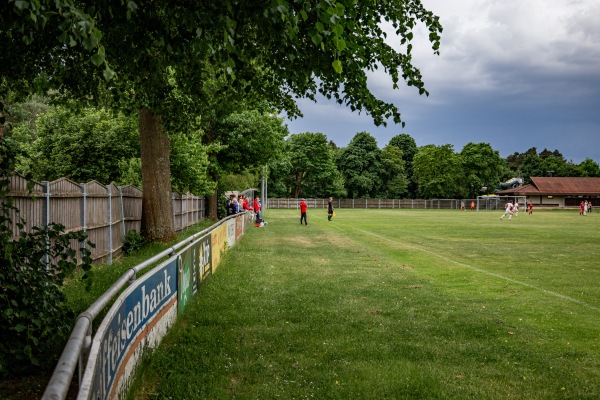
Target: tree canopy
<point>360,164</point>
<point>157,57</point>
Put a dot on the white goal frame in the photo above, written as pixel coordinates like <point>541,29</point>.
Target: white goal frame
<point>498,202</point>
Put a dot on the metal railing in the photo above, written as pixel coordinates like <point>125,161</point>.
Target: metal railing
<point>77,348</point>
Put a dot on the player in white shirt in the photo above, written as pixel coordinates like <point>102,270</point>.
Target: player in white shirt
<point>516,209</point>
<point>509,210</point>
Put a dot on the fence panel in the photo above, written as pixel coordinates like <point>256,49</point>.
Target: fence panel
<point>105,213</point>
<point>132,208</point>
<point>31,205</point>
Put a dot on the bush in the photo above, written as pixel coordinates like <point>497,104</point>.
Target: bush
<point>134,241</point>
<point>35,320</point>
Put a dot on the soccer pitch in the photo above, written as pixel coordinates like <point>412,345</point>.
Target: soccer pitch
<point>393,304</point>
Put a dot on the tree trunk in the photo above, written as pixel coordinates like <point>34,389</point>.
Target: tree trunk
<point>213,204</point>
<point>157,207</point>
<point>212,208</point>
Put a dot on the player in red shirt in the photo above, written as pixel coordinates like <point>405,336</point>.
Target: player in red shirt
<point>303,207</point>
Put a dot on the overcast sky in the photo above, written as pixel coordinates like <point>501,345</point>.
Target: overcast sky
<point>513,73</point>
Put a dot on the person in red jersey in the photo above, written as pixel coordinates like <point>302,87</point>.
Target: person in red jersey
<point>303,207</point>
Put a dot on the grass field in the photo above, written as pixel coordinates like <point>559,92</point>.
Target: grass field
<point>393,304</point>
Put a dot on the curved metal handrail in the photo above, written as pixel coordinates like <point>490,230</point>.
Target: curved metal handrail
<point>75,351</point>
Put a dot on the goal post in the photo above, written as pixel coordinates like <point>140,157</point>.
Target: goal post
<point>499,202</point>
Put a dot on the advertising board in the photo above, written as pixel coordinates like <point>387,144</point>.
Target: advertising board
<point>138,319</point>
<point>219,239</point>
<point>195,264</point>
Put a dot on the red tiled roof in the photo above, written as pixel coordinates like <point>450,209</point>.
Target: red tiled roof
<point>558,186</point>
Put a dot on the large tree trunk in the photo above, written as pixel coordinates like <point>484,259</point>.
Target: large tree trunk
<point>213,204</point>
<point>157,208</point>
<point>213,200</point>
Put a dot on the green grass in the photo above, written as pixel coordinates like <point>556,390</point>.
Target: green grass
<point>392,304</point>
<point>79,299</point>
<point>104,275</point>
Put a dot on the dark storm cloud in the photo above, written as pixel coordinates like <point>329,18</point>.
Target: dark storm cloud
<point>513,74</point>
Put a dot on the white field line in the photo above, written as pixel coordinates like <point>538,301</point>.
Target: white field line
<point>476,269</point>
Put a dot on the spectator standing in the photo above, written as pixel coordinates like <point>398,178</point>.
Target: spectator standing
<point>233,206</point>
<point>228,207</point>
<point>581,208</point>
<point>472,206</point>
<point>303,207</point>
<point>257,207</point>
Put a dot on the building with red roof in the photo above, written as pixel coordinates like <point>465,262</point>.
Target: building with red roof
<point>558,191</point>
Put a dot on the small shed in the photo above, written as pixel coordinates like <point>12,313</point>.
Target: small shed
<point>558,191</point>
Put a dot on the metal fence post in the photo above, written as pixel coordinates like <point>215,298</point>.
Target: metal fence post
<point>83,206</point>
<point>46,218</point>
<point>187,211</point>
<point>110,238</point>
<point>173,206</point>
<point>123,229</point>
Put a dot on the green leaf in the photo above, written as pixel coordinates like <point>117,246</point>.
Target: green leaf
<point>338,29</point>
<point>320,27</point>
<point>315,37</point>
<point>131,6</point>
<point>304,15</point>
<point>20,328</point>
<point>341,44</point>
<point>98,58</point>
<point>108,73</point>
<point>337,66</point>
<point>21,5</point>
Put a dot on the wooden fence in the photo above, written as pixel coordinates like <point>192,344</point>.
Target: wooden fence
<point>105,213</point>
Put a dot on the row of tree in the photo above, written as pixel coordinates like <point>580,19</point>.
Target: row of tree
<point>88,143</point>
<point>311,166</point>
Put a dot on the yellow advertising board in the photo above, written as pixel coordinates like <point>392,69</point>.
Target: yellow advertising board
<point>219,239</point>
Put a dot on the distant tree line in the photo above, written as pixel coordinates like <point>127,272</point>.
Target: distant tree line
<point>311,166</point>
<point>86,143</point>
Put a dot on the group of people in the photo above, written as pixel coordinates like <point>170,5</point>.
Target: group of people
<point>304,206</point>
<point>236,204</point>
<point>585,207</point>
<point>512,208</point>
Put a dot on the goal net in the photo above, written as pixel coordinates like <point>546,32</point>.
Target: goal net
<point>499,202</point>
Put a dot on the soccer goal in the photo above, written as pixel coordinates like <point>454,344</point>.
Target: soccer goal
<point>499,202</point>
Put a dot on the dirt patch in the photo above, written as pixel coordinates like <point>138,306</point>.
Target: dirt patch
<point>338,240</point>
<point>299,241</point>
